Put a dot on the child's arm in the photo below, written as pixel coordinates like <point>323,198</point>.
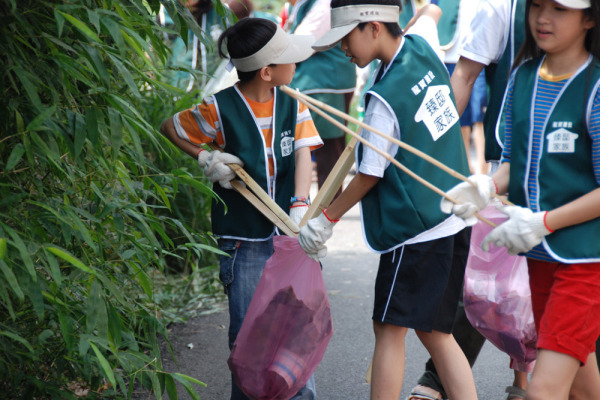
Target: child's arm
<point>302,181</point>
<point>303,175</point>
<point>430,10</point>
<point>168,129</point>
<point>358,187</point>
<point>462,81</point>
<point>578,211</point>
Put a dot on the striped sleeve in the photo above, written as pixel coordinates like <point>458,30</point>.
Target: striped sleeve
<point>594,131</point>
<point>199,124</point>
<point>306,132</point>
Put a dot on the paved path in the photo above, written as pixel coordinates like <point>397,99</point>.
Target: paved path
<point>349,273</point>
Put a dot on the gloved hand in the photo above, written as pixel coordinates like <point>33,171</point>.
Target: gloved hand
<point>215,167</point>
<point>471,199</point>
<point>297,212</point>
<point>523,230</point>
<point>314,234</point>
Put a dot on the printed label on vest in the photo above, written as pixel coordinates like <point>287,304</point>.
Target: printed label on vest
<point>437,111</point>
<point>561,140</point>
<point>287,146</point>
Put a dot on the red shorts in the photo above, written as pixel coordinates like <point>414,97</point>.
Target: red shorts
<point>566,306</point>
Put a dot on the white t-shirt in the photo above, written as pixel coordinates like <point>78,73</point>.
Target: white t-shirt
<point>489,32</point>
<point>380,117</point>
<point>317,20</point>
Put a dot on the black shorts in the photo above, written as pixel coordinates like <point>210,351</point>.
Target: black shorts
<point>418,285</point>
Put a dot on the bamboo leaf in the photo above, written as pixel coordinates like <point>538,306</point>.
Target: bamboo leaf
<point>12,280</point>
<point>83,28</point>
<point>42,117</point>
<point>171,387</point>
<point>19,339</point>
<point>105,365</point>
<point>14,157</point>
<point>23,252</point>
<point>68,257</point>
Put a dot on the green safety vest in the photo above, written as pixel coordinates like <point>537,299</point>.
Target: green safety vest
<point>417,89</point>
<point>244,138</point>
<point>496,76</point>
<point>194,54</point>
<point>447,26</point>
<point>324,71</point>
<point>565,168</point>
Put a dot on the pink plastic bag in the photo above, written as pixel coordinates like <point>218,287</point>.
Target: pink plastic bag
<point>287,327</point>
<point>497,297</point>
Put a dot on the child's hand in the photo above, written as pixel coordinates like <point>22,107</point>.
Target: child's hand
<point>216,168</point>
<point>297,212</point>
<point>523,230</point>
<point>314,234</point>
<point>471,198</point>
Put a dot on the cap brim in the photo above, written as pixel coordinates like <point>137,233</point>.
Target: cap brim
<point>575,4</point>
<point>333,37</point>
<point>297,51</point>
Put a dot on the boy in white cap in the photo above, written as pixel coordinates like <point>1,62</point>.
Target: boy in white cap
<point>423,253</point>
<point>267,132</point>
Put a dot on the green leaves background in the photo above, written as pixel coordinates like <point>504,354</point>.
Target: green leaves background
<point>94,203</point>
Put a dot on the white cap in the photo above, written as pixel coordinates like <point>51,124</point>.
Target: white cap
<point>344,19</point>
<point>577,4</point>
<point>281,49</point>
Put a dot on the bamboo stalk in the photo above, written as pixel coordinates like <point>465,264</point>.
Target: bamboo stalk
<point>386,155</point>
<point>332,183</point>
<point>298,95</point>
<point>260,206</point>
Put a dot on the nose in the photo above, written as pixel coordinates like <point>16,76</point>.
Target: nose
<point>344,44</point>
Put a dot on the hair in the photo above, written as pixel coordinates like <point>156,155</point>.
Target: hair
<point>392,27</point>
<point>530,49</point>
<point>241,8</point>
<point>245,38</point>
<point>199,8</point>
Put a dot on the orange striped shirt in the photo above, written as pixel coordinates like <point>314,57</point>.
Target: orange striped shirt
<point>200,124</point>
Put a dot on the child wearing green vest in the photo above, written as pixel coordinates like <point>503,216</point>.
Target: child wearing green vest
<point>271,135</point>
<point>551,172</point>
<point>423,252</point>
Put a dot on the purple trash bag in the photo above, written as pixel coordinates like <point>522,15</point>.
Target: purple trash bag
<point>497,297</point>
<point>287,327</point>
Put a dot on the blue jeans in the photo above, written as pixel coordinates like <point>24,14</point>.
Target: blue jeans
<point>240,274</point>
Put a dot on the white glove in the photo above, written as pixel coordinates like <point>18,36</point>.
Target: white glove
<point>471,199</point>
<point>216,168</point>
<point>297,213</point>
<point>523,230</point>
<point>314,234</point>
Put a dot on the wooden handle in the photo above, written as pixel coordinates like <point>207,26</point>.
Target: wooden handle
<point>387,156</point>
<point>334,181</point>
<point>298,95</point>
<point>266,200</point>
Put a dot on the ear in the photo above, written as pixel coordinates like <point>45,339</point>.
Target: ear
<point>266,73</point>
<point>588,23</point>
<point>376,28</point>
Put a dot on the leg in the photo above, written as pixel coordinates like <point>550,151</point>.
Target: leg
<point>586,385</point>
<point>466,133</point>
<point>552,376</point>
<point>327,156</point>
<point>388,361</point>
<point>240,273</point>
<point>470,341</point>
<point>479,144</point>
<point>451,364</point>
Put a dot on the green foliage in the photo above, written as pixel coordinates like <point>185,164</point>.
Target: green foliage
<point>96,206</point>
